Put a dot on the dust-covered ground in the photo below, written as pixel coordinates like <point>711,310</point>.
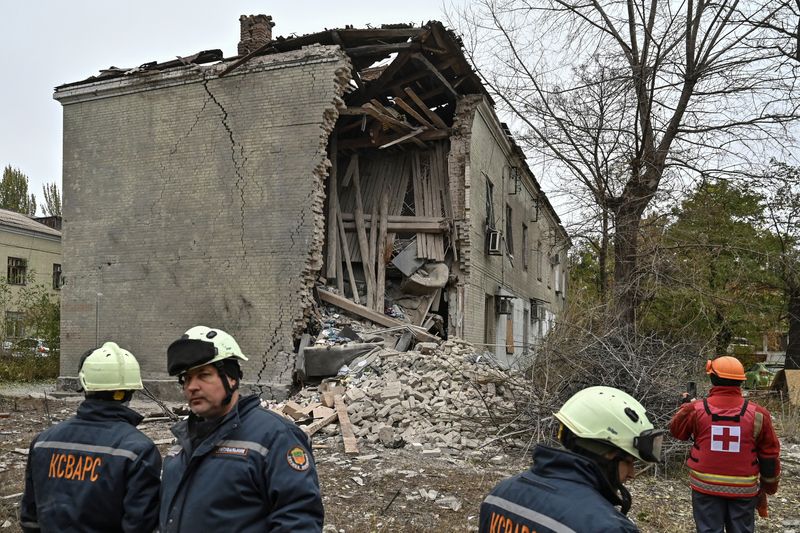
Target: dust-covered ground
<point>382,490</point>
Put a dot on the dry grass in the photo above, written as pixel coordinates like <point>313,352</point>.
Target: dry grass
<point>28,368</point>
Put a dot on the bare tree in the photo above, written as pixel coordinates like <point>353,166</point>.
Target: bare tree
<point>621,96</point>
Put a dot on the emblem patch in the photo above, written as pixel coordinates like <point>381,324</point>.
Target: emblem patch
<point>230,450</point>
<point>298,459</point>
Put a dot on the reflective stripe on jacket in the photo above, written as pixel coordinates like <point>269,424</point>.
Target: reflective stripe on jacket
<point>254,472</point>
<point>562,492</point>
<point>93,472</point>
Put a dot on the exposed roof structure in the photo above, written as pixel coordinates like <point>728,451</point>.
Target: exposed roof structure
<point>12,219</point>
<point>406,82</point>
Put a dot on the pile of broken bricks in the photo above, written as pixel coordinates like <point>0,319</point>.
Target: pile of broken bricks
<point>438,399</point>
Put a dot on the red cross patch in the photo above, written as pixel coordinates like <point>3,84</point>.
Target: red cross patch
<point>726,438</point>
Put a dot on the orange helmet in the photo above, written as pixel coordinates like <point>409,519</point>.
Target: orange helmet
<point>726,367</point>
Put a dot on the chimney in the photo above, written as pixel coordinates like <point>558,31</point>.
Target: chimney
<point>256,31</point>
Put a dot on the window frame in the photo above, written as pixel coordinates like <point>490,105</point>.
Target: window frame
<point>509,237</point>
<point>58,277</point>
<point>17,271</point>
<point>525,251</point>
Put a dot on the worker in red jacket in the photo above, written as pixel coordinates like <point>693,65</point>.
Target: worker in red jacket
<point>735,459</point>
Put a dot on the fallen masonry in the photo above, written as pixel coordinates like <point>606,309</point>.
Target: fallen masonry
<point>440,398</point>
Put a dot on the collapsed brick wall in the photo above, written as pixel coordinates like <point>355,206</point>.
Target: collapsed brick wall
<point>193,199</point>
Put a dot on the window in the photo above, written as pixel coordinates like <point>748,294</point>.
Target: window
<point>525,247</point>
<point>509,228</point>
<point>539,259</point>
<point>15,324</point>
<point>489,203</point>
<point>17,270</point>
<point>58,281</point>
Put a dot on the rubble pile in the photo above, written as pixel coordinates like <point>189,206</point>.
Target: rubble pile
<point>438,398</point>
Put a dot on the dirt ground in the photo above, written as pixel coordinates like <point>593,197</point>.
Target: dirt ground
<point>384,490</point>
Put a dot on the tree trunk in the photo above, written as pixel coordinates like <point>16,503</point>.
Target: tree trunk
<point>626,245</point>
<point>793,347</point>
<point>603,260</point>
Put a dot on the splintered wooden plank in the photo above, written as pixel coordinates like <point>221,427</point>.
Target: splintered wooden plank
<point>319,424</point>
<point>372,315</point>
<point>361,232</point>
<point>348,263</point>
<point>330,266</point>
<point>404,138</point>
<point>373,247</point>
<point>348,436</point>
<point>411,111</point>
<point>436,119</point>
<point>380,275</point>
<point>409,226</point>
<point>352,167</point>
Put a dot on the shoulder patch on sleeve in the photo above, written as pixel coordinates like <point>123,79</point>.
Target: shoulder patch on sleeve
<point>298,459</point>
<point>175,450</point>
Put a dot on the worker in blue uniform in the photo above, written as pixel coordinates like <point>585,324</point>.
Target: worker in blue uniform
<point>237,466</point>
<point>578,488</point>
<point>95,472</point>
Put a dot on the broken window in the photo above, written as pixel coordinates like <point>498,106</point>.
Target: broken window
<point>525,247</point>
<point>58,281</point>
<point>489,204</point>
<point>509,228</point>
<point>17,271</point>
<point>539,259</point>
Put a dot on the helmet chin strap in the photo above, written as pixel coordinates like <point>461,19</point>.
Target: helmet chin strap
<point>224,377</point>
<point>610,468</point>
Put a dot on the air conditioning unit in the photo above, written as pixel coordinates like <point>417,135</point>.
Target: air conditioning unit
<point>538,310</point>
<point>504,306</point>
<point>493,245</point>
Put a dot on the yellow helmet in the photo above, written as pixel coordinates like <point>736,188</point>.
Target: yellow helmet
<point>612,417</point>
<point>200,346</point>
<point>109,368</point>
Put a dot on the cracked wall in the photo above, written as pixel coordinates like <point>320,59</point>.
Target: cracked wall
<point>193,199</point>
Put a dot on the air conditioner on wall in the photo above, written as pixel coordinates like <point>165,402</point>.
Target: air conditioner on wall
<point>493,246</point>
<point>504,306</point>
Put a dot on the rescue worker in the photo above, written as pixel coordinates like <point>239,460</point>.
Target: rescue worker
<point>95,472</point>
<point>603,431</point>
<point>237,467</point>
<point>735,460</point>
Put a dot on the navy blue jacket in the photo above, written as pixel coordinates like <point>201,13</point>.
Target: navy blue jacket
<point>562,492</point>
<point>93,472</point>
<point>253,472</point>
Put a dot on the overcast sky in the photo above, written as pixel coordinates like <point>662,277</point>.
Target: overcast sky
<point>49,42</point>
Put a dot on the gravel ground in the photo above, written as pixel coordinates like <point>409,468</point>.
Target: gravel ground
<point>384,490</point>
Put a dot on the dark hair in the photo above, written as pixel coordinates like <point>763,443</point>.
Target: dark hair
<point>724,382</point>
<point>108,395</point>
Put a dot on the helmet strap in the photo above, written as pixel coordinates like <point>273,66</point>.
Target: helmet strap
<point>223,375</point>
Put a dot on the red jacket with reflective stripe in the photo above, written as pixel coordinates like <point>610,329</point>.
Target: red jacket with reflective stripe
<point>724,460</point>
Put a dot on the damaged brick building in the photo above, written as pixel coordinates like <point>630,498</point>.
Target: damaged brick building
<point>366,168</point>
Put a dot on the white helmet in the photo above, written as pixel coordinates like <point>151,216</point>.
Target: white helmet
<point>109,368</point>
<point>200,346</point>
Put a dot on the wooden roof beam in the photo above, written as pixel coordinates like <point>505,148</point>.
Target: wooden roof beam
<point>435,71</point>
